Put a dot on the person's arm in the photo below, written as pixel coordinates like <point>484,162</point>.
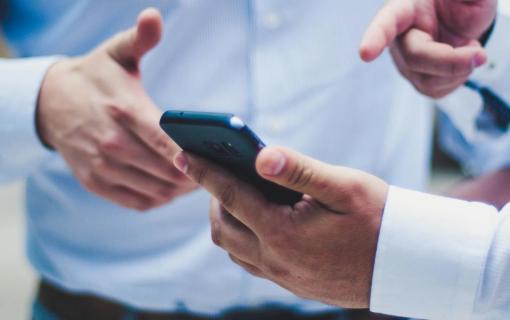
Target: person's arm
<point>427,256</point>
<point>21,151</point>
<point>435,44</point>
<point>94,111</point>
<point>441,258</point>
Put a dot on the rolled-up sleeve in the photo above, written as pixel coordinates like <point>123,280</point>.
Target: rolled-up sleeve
<point>441,258</point>
<point>21,151</point>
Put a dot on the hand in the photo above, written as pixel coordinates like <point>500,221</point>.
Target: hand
<point>94,111</point>
<point>434,43</point>
<point>323,248</point>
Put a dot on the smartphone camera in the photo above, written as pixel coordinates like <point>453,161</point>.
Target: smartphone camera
<point>216,148</point>
<point>223,149</point>
<point>230,148</point>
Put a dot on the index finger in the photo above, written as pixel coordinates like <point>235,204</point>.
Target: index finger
<point>239,198</point>
<point>392,19</point>
<point>145,125</point>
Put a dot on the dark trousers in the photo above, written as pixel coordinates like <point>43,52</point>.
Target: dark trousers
<point>53,303</point>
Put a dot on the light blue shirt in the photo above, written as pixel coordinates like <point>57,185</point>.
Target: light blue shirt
<point>288,68</point>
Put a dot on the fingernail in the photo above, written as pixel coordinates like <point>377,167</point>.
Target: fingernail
<point>273,163</point>
<point>478,60</point>
<point>181,162</point>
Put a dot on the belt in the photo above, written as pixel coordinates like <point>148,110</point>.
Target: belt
<point>72,306</point>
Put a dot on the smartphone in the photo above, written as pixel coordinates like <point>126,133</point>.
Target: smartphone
<point>226,140</point>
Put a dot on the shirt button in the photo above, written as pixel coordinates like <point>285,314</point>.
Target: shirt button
<point>272,20</point>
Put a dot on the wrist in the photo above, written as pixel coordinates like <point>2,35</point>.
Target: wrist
<point>45,109</point>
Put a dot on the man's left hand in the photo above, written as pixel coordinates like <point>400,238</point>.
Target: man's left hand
<point>322,248</point>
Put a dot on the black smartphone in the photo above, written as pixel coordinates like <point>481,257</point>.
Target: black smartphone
<point>226,140</point>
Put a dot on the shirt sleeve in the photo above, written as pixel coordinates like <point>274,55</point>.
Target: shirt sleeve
<point>21,151</point>
<point>459,136</point>
<point>441,258</point>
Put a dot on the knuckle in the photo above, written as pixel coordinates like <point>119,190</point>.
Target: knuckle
<point>356,193</point>
<point>143,205</point>
<point>428,81</point>
<point>246,266</point>
<point>165,193</point>
<point>418,83</point>
<point>460,66</point>
<point>421,85</point>
<point>163,144</point>
<point>276,242</point>
<point>216,233</point>
<point>278,239</point>
<point>300,175</point>
<point>427,93</point>
<point>357,188</point>
<point>89,181</point>
<point>201,174</point>
<point>413,60</point>
<point>234,259</point>
<point>435,95</point>
<point>275,270</point>
<point>228,196</point>
<point>99,165</point>
<point>453,68</point>
<point>413,55</point>
<point>352,195</point>
<point>121,111</point>
<point>252,270</point>
<point>111,143</point>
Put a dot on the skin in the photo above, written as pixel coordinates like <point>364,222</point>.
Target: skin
<point>434,43</point>
<point>322,248</point>
<point>94,111</point>
<point>491,188</point>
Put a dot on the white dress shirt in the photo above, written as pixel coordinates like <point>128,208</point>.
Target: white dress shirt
<point>440,258</point>
<point>288,68</point>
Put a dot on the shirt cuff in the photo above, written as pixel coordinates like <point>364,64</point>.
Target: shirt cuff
<point>21,147</point>
<point>430,255</point>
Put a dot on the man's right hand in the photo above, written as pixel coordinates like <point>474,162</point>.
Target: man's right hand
<point>94,111</point>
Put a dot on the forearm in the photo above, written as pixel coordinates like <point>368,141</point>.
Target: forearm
<point>492,188</point>
<point>21,149</point>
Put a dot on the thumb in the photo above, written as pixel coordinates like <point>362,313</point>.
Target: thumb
<point>393,18</point>
<point>338,188</point>
<point>128,47</point>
